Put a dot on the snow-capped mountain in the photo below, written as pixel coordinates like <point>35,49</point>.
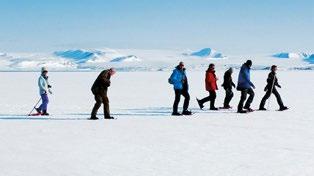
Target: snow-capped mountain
<point>130,58</point>
<point>206,52</point>
<point>287,55</point>
<point>146,60</point>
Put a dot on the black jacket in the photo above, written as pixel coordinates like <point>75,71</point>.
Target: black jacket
<point>228,83</point>
<point>272,81</point>
<point>102,82</point>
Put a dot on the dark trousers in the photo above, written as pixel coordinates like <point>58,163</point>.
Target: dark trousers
<point>211,98</point>
<point>267,95</point>
<point>228,98</point>
<point>186,96</point>
<point>101,98</point>
<point>244,93</point>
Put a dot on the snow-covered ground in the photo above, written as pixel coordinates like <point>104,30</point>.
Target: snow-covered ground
<point>146,140</point>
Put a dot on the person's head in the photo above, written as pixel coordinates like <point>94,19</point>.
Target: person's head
<point>211,66</point>
<point>112,71</point>
<point>181,65</point>
<point>248,63</point>
<point>230,70</point>
<point>273,68</point>
<point>44,71</point>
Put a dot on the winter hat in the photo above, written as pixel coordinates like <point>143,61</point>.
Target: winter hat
<point>44,69</point>
<point>248,63</point>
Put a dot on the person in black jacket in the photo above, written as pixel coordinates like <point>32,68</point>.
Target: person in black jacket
<point>99,89</point>
<point>227,85</point>
<point>272,83</point>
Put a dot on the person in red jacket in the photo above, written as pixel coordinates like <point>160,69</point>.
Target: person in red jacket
<point>211,87</point>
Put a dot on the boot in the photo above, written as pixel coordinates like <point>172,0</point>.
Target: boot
<point>200,104</point>
<point>93,118</point>
<point>262,109</point>
<point>109,117</point>
<point>45,113</point>
<point>38,110</point>
<point>186,112</point>
<point>283,108</point>
<point>176,114</point>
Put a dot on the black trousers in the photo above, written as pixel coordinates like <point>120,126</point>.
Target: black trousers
<point>186,96</point>
<point>101,98</point>
<point>267,95</point>
<point>228,98</point>
<point>244,93</point>
<point>212,98</point>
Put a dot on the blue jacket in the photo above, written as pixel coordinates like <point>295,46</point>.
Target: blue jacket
<point>178,79</point>
<point>244,81</point>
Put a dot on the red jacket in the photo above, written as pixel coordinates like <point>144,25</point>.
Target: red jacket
<point>211,81</point>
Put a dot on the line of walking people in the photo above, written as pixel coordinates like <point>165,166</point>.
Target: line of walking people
<point>180,84</point>
<point>179,81</point>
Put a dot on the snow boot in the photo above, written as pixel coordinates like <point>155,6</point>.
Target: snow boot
<point>283,108</point>
<point>186,112</point>
<point>242,111</point>
<point>262,109</point>
<point>38,110</point>
<point>93,118</point>
<point>213,109</point>
<point>200,104</point>
<point>45,113</point>
<point>176,114</point>
<point>249,109</point>
<point>110,117</point>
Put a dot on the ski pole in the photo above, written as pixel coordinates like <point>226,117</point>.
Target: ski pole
<point>34,107</point>
<point>271,91</point>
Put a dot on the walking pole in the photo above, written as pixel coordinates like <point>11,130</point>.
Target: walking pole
<point>34,107</point>
<point>271,91</point>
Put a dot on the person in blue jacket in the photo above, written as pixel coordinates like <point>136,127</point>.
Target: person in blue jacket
<point>181,87</point>
<point>245,86</point>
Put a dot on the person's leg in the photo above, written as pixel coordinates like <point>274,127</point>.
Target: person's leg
<point>204,100</point>
<point>266,96</point>
<point>97,105</point>
<point>45,102</point>
<point>212,95</point>
<point>229,95</point>
<point>250,99</point>
<point>242,99</point>
<point>176,101</point>
<point>106,107</point>
<point>278,97</point>
<point>186,103</point>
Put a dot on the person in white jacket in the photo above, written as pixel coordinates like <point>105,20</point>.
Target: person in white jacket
<point>44,89</point>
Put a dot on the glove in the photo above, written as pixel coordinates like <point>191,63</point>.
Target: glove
<point>253,86</point>
<point>50,92</point>
<point>279,86</point>
<point>49,86</point>
<point>265,89</point>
